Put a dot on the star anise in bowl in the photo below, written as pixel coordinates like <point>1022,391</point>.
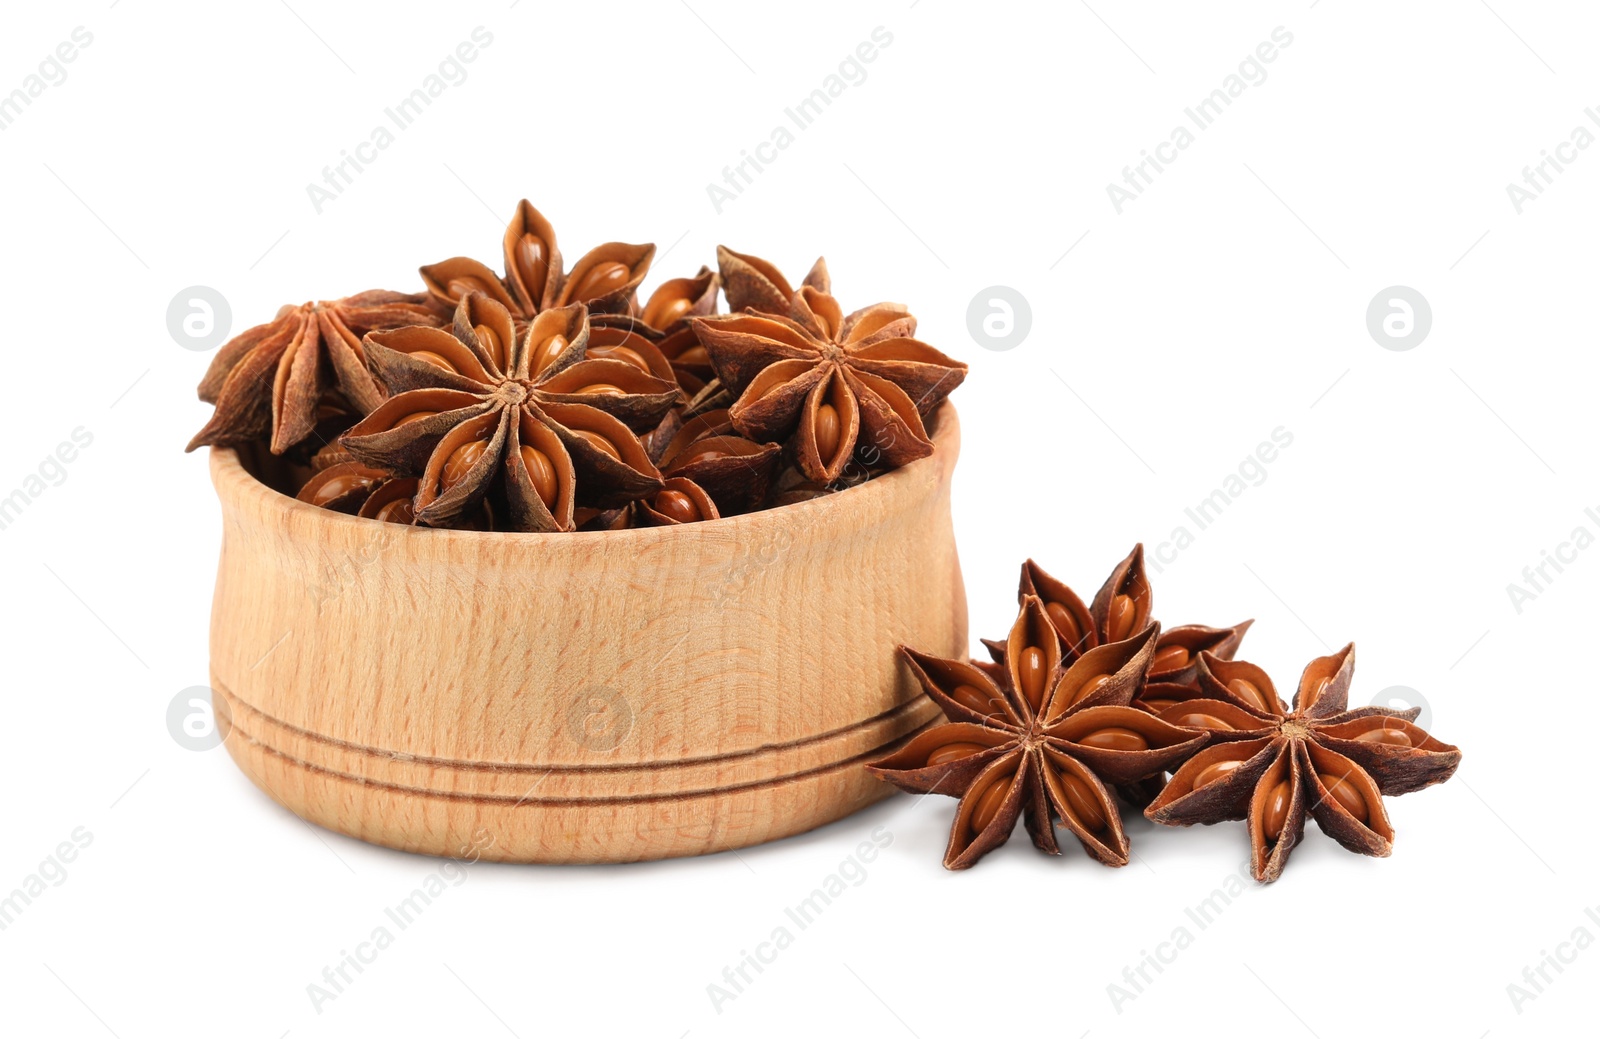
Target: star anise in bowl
<point>826,383</point>
<point>1040,738</point>
<point>1271,764</point>
<point>270,380</point>
<point>604,279</point>
<point>526,422</point>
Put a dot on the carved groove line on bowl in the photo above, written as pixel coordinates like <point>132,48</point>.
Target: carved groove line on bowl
<point>918,704</point>
<point>239,732</point>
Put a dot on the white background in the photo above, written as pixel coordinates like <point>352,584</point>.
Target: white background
<point>1166,342</point>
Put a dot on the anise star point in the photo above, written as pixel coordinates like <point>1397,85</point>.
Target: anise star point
<point>480,409</point>
<point>1044,741</point>
<point>270,379</point>
<point>1273,764</point>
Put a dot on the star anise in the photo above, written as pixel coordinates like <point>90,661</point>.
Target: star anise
<point>679,501</point>
<point>271,378</point>
<point>535,281</point>
<point>1044,743</point>
<point>824,381</point>
<point>676,300</point>
<point>1270,764</point>
<point>1122,606</point>
<point>363,490</point>
<point>481,411</point>
<point>735,471</point>
<point>664,321</point>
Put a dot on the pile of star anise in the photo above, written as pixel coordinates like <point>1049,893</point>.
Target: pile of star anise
<point>1083,705</point>
<point>550,399</point>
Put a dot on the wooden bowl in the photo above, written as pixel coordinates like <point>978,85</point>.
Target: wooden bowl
<point>587,697</point>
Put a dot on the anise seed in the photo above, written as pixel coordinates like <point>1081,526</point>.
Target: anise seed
<point>972,698</point>
<point>1089,688</point>
<point>1386,737</point>
<point>1085,806</point>
<point>1246,690</point>
<point>1065,623</point>
<point>676,505</point>
<point>401,510</point>
<point>827,431</point>
<point>1119,619</point>
<point>491,344</point>
<point>599,441</point>
<point>1200,720</point>
<point>1170,659</point>
<point>1345,792</point>
<point>542,473</point>
<point>988,803</point>
<point>663,316</point>
<point>1213,772</point>
<point>546,353</point>
<point>606,276</point>
<point>1032,675</point>
<point>1277,812</point>
<point>437,360</point>
<point>532,263</point>
<point>622,353</point>
<point>1115,737</point>
<point>460,462</point>
<point>459,288</point>
<point>952,752</point>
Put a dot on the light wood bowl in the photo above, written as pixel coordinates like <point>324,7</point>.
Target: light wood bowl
<point>591,697</point>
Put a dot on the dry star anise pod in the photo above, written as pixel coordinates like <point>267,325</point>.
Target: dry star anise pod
<point>826,382</point>
<point>363,490</point>
<point>1122,606</point>
<point>1273,764</point>
<point>271,378</point>
<point>1043,744</point>
<point>535,281</point>
<point>676,300</point>
<point>480,411</point>
<point>664,321</point>
<point>679,501</point>
<point>735,471</point>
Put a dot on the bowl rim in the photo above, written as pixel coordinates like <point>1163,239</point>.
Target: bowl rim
<point>236,484</point>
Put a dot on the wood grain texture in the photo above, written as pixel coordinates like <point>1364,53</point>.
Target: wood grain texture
<point>590,697</point>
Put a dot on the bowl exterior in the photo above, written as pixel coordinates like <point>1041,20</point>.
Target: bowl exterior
<point>591,697</point>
